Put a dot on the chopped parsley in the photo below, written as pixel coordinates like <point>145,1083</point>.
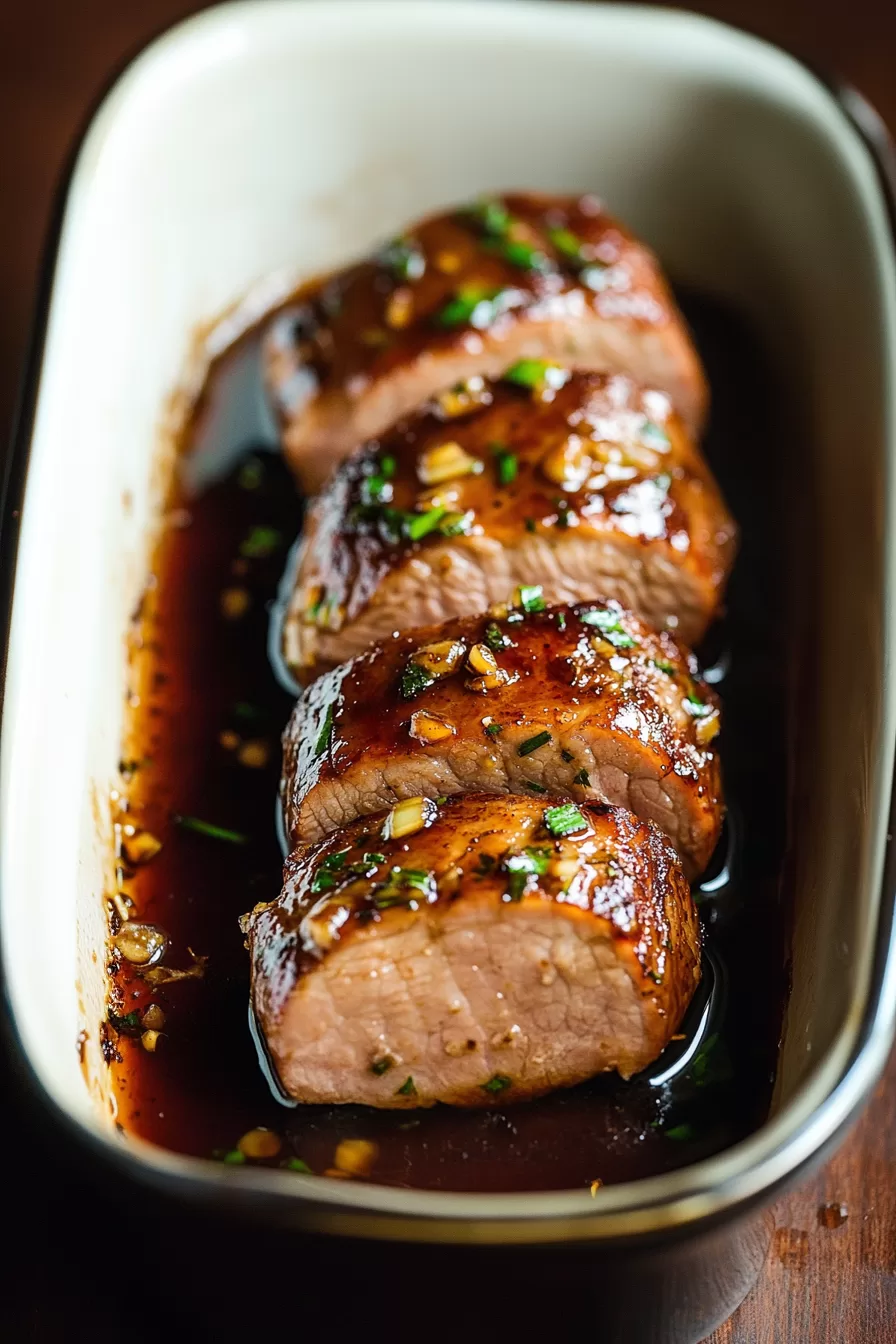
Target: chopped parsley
<point>471,304</point>
<point>327,873</point>
<point>506,463</point>
<point>495,638</point>
<point>492,216</point>
<point>532,862</point>
<point>127,1024</point>
<point>199,827</point>
<point>419,525</point>
<point>528,373</point>
<point>400,886</point>
<point>531,599</point>
<point>533,743</point>
<point>524,255</point>
<point>414,681</point>
<point>564,819</point>
<point>375,489</point>
<point>610,626</point>
<point>494,729</point>
<point>260,543</point>
<point>680,1133</point>
<point>381,1066</point>
<point>456,524</point>
<point>296,1164</point>
<point>499,1082</point>
<point>583,778</point>
<point>536,788</point>
<point>326,731</point>
<point>566,243</point>
<point>407,1088</point>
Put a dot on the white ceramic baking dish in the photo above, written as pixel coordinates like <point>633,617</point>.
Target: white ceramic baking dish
<point>277,139</point>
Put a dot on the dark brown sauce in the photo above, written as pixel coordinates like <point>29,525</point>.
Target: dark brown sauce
<point>200,675</point>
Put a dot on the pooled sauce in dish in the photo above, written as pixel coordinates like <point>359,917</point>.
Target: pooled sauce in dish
<point>200,846</point>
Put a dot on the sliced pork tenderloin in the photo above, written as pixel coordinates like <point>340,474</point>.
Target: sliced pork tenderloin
<point>463,295</point>
<point>583,483</point>
<point>494,950</point>
<point>584,701</point>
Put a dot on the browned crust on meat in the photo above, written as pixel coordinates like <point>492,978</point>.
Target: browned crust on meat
<point>598,460</point>
<point>351,333</point>
<point>629,697</point>
<point>617,875</point>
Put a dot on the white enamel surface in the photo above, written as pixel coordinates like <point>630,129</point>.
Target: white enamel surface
<point>280,138</point>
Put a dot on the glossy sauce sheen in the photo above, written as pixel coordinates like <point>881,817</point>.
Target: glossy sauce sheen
<point>537,467</point>
<point>201,674</point>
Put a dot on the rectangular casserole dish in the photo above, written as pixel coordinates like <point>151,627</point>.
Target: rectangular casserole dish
<point>276,139</point>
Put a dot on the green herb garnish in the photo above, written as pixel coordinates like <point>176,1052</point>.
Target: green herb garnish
<point>381,1066</point>
<point>524,255</point>
<point>457,524</point>
<point>414,681</point>
<point>610,626</point>
<point>375,489</point>
<point>387,466</point>
<point>530,524</point>
<point>566,243</point>
<point>499,1082</point>
<point>494,729</point>
<point>234,1158</point>
<point>536,788</point>
<point>528,372</point>
<point>698,709</point>
<point>213,832</point>
<point>561,620</point>
<point>471,304</point>
<point>419,525</point>
<point>533,743</point>
<point>680,1132</point>
<point>260,543</point>
<point>531,599</point>
<point>495,638</point>
<point>491,215</point>
<point>564,819</point>
<point>296,1164</point>
<point>582,778</point>
<point>407,1088</point>
<point>127,1024</point>
<point>326,875</point>
<point>567,756</point>
<point>326,731</point>
<point>532,862</point>
<point>506,463</point>
<point>662,666</point>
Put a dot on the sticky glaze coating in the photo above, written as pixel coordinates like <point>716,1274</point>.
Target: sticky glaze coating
<point>590,487</point>
<point>467,293</point>
<point>586,701</point>
<point>481,961</point>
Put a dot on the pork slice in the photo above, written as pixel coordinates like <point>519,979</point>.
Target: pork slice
<point>500,951</point>
<point>593,487</point>
<point>464,295</point>
<point>585,701</point>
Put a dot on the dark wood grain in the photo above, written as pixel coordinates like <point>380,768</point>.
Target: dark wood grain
<point>71,1268</point>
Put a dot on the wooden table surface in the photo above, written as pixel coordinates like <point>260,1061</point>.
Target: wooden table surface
<point>56,1284</point>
